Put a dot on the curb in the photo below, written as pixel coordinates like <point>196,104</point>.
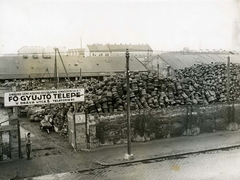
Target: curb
<point>170,156</point>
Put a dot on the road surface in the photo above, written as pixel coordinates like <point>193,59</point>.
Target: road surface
<point>218,165</point>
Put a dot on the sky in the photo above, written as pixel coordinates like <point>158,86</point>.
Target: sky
<point>166,25</point>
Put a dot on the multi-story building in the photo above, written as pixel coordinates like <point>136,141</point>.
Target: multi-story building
<point>118,50</point>
<point>97,50</point>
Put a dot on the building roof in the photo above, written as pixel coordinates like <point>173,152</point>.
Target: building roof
<point>77,49</point>
<point>180,61</point>
<point>98,48</point>
<point>119,48</point>
<point>31,50</point>
<point>90,66</point>
<point>146,59</point>
<point>50,49</point>
<point>123,47</point>
<point>40,50</point>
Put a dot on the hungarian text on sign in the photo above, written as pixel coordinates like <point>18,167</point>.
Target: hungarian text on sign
<point>21,98</point>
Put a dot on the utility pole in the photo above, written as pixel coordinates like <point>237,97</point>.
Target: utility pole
<point>81,42</point>
<point>128,156</point>
<point>228,91</point>
<point>228,79</point>
<point>55,69</point>
<point>80,75</point>
<point>63,64</point>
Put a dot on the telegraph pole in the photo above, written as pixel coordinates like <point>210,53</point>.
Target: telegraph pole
<point>128,156</point>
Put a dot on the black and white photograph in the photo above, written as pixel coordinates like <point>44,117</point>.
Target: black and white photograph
<point>120,89</point>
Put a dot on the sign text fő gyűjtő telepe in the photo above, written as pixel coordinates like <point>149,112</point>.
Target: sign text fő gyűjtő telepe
<point>21,98</point>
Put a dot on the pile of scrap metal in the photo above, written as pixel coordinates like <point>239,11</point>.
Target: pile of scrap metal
<point>24,85</point>
<point>201,84</point>
<point>198,85</point>
<point>55,114</point>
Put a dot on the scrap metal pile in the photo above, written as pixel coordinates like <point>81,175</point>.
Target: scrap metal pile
<point>56,114</point>
<point>199,84</point>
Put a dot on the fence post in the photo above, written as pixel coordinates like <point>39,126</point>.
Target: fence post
<point>19,140</point>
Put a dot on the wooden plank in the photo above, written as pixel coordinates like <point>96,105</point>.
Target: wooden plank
<point>8,128</point>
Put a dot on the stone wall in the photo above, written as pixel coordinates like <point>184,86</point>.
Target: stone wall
<point>165,123</point>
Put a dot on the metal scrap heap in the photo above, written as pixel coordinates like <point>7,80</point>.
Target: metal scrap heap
<point>199,84</point>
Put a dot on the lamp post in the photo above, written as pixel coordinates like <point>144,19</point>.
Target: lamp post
<point>129,155</point>
<point>230,104</point>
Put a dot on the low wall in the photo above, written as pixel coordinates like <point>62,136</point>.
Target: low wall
<point>164,123</point>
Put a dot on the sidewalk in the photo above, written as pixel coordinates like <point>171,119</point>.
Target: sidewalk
<point>113,155</point>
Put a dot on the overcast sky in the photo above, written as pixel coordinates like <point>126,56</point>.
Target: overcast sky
<point>164,25</point>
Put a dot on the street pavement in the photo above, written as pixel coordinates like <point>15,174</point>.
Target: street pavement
<point>72,161</point>
<point>214,165</point>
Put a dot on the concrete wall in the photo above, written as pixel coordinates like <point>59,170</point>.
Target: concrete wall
<point>164,123</point>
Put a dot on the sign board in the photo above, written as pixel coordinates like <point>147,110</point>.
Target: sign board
<point>79,118</point>
<point>23,98</point>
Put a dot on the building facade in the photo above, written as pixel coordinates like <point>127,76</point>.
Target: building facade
<point>76,52</point>
<point>97,50</point>
<point>117,50</point>
<point>41,67</point>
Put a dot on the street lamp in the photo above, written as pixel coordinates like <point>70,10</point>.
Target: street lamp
<point>129,155</point>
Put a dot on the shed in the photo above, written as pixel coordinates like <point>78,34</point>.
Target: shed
<point>35,66</point>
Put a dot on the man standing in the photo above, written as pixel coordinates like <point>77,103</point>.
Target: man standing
<point>28,145</point>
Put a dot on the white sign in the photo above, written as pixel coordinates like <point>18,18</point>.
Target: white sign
<point>79,118</point>
<point>22,98</point>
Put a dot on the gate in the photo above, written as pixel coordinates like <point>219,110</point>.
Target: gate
<point>77,128</point>
<point>10,140</point>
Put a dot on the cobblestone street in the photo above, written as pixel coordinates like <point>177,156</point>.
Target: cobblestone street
<point>218,165</point>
